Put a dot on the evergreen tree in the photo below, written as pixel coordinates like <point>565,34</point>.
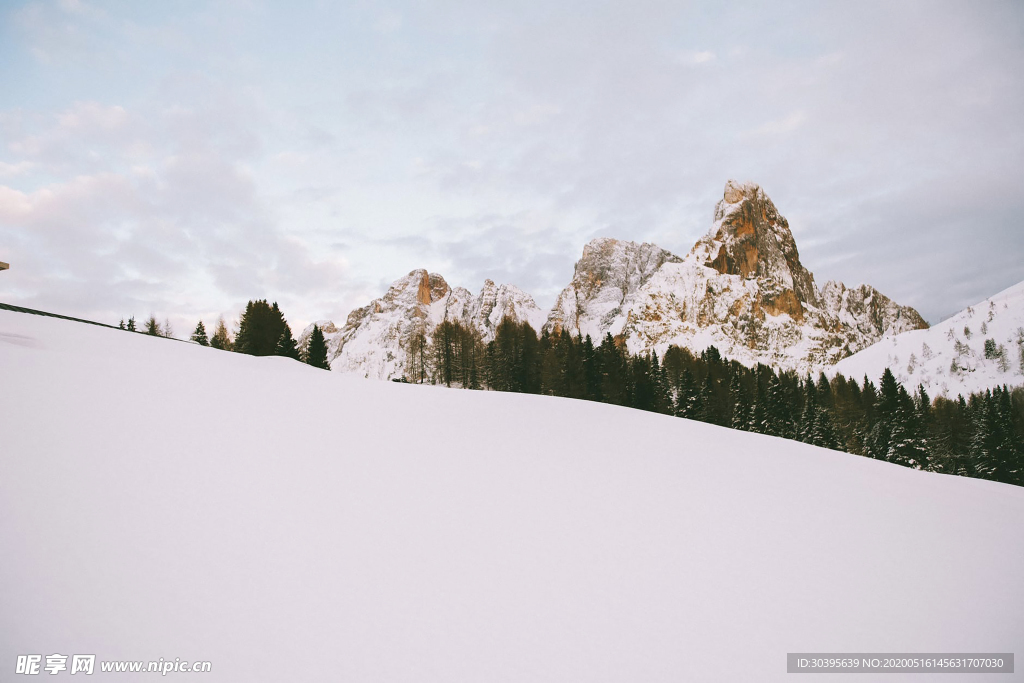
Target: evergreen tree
<point>316,351</point>
<point>778,411</point>
<point>120,325</point>
<point>614,382</point>
<point>131,324</point>
<point>286,345</point>
<point>823,433</point>
<point>263,331</point>
<point>738,401</point>
<point>220,338</point>
<point>153,327</point>
<point>591,370</point>
<point>686,398</point>
<point>759,410</point>
<point>662,402</point>
<point>199,336</point>
<point>952,445</point>
<point>1005,454</point>
<point>705,405</point>
<point>984,444</point>
<point>907,445</point>
<point>809,415</point>
<point>880,435</point>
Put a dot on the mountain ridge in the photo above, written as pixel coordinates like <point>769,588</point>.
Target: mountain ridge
<point>742,288</point>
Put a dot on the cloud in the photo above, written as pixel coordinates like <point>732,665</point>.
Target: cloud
<point>196,159</point>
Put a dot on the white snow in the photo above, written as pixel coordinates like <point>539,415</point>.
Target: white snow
<point>926,356</point>
<point>160,499</point>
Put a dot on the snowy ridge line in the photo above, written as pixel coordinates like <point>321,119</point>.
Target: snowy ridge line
<point>33,311</point>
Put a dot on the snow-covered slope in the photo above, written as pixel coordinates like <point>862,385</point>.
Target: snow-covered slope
<point>742,288</point>
<point>163,500</point>
<point>950,357</point>
<point>376,338</point>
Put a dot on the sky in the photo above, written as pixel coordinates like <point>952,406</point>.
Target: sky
<point>177,159</point>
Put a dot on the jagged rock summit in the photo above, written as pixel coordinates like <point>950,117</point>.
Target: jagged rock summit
<point>751,239</point>
<point>376,339</point>
<point>606,281</point>
<point>741,288</point>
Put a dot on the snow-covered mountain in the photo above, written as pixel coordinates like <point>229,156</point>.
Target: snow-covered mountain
<point>162,499</point>
<point>376,338</point>
<point>980,347</point>
<point>742,288</point>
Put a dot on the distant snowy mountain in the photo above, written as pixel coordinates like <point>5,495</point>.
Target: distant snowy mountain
<point>976,349</point>
<point>375,339</point>
<point>742,288</point>
<point>163,499</point>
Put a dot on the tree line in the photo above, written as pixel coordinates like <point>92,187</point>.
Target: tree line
<point>262,331</point>
<point>978,436</point>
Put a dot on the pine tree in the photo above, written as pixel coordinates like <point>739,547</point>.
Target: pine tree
<point>591,370</point>
<point>705,404</point>
<point>759,410</point>
<point>316,351</point>
<point>131,324</point>
<point>153,327</point>
<point>263,331</point>
<point>907,445</point>
<point>220,338</point>
<point>614,383</point>
<point>984,447</point>
<point>823,433</point>
<point>738,402</point>
<point>809,415</point>
<point>286,345</point>
<point>662,399</point>
<point>686,398</point>
<point>120,325</point>
<point>880,434</point>
<point>1006,455</point>
<point>199,336</point>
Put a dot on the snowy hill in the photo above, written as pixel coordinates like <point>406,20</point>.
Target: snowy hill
<point>950,358</point>
<point>163,500</point>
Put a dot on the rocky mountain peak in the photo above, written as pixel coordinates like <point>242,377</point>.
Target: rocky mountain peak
<point>607,276</point>
<point>428,287</point>
<point>750,238</point>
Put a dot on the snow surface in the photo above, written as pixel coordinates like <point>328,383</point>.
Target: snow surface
<point>161,499</point>
<point>926,356</point>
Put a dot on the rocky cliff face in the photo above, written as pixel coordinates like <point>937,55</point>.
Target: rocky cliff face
<point>607,280</point>
<point>375,339</point>
<point>494,302</point>
<point>742,288</point>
